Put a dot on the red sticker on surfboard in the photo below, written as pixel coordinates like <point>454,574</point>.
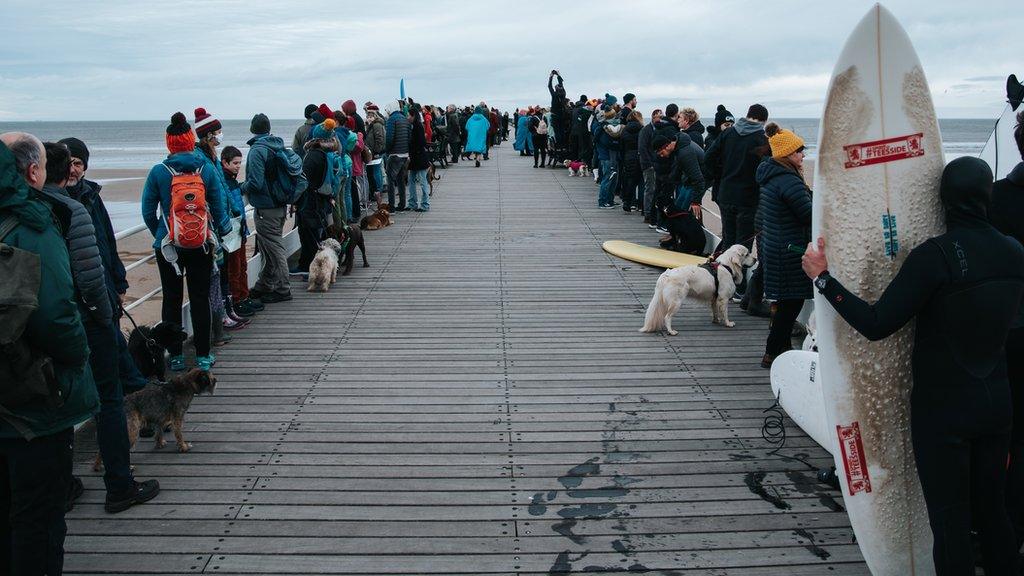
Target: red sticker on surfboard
<point>888,150</point>
<point>852,448</point>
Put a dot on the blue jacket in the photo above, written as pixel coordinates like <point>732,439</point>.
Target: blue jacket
<point>785,217</point>
<point>396,133</point>
<point>263,148</point>
<point>476,133</point>
<point>156,194</point>
<point>236,201</point>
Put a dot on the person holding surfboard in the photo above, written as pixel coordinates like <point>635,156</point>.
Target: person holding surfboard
<point>964,288</point>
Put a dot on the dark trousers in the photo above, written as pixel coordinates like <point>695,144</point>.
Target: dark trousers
<point>197,266</point>
<point>961,461</point>
<point>224,269</point>
<point>454,148</point>
<point>737,225</point>
<point>35,477</point>
<point>310,237</point>
<point>131,379</point>
<point>687,234</point>
<point>398,179</point>
<point>354,195</point>
<point>1015,473</point>
<point>540,147</point>
<point>631,182</point>
<point>111,425</point>
<point>780,335</point>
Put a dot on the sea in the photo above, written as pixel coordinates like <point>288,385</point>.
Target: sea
<point>140,144</point>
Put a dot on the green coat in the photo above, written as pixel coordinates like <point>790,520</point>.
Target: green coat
<point>55,328</point>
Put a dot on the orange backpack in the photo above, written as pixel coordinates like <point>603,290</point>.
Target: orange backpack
<point>188,221</point>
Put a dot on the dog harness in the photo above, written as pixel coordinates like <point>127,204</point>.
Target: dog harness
<point>712,267</point>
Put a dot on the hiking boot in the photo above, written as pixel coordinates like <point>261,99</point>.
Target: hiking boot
<point>766,360</point>
<point>205,363</point>
<point>177,363</point>
<point>75,492</point>
<point>137,493</point>
<point>478,164</point>
<point>275,297</point>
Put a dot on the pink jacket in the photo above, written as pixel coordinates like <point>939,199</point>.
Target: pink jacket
<point>357,155</point>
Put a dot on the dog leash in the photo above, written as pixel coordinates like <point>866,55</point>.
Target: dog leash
<point>149,339</point>
<point>721,250</point>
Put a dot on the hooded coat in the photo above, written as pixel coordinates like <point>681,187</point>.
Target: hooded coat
<point>476,132</point>
<point>88,193</point>
<point>785,213</point>
<point>524,140</point>
<point>55,328</point>
<point>733,160</point>
<point>376,135</point>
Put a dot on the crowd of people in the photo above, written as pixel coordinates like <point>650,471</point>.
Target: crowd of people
<point>964,288</point>
<point>62,341</point>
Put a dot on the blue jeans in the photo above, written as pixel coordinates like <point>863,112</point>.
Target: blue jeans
<point>419,177</point>
<point>609,175</point>
<point>35,477</point>
<point>111,426</point>
<point>346,193</point>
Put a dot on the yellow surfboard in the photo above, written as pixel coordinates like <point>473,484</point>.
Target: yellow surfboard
<point>650,256</point>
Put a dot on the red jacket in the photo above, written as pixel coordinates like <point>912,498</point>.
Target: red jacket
<point>428,126</point>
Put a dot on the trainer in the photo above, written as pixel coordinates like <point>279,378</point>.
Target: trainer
<point>964,288</point>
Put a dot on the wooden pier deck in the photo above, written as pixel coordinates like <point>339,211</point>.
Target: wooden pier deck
<point>479,401</point>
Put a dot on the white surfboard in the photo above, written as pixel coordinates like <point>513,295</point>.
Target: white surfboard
<point>796,382</point>
<point>876,197</point>
<point>1000,152</point>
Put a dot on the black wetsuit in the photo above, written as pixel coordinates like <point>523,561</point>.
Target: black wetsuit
<point>964,288</point>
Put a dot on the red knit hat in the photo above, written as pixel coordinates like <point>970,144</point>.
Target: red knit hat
<point>371,106</point>
<point>205,123</point>
<point>348,107</point>
<point>179,135</point>
<point>325,111</point>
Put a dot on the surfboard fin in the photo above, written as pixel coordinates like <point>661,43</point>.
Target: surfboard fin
<point>1014,91</point>
<point>892,243</point>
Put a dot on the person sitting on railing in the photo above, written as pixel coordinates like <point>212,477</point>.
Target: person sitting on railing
<point>184,253</point>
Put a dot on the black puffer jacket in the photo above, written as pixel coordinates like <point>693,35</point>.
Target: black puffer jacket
<point>86,263</point>
<point>669,129</point>
<point>785,218</point>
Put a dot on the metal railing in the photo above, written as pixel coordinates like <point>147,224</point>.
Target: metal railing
<point>291,244</point>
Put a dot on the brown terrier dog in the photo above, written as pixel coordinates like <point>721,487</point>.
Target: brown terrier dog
<point>354,237</point>
<point>163,405</point>
<point>379,219</point>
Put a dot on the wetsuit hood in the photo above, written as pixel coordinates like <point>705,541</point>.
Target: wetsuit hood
<point>966,191</point>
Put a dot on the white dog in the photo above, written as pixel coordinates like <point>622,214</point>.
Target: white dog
<point>576,168</point>
<point>323,270</point>
<point>697,282</point>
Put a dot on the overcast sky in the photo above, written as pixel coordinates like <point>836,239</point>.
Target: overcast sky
<point>121,59</point>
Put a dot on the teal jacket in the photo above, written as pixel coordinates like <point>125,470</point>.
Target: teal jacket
<point>55,328</point>
<point>156,193</point>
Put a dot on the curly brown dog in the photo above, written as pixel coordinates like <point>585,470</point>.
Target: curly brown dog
<point>349,237</point>
<point>163,405</point>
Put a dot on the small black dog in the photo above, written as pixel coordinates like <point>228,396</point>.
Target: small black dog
<point>148,346</point>
<point>355,238</point>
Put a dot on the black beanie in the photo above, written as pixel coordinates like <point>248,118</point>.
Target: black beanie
<point>179,125</point>
<point>78,149</point>
<point>310,108</point>
<point>659,142</point>
<point>316,117</point>
<point>722,115</point>
<point>260,124</point>
<point>671,110</point>
<point>758,112</point>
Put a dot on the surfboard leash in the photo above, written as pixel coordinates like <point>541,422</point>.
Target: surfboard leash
<point>773,431</point>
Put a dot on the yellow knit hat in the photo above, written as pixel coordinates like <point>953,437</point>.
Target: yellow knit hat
<point>784,143</point>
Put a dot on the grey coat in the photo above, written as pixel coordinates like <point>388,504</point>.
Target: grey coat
<point>374,138</point>
<point>86,262</point>
<point>454,130</point>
